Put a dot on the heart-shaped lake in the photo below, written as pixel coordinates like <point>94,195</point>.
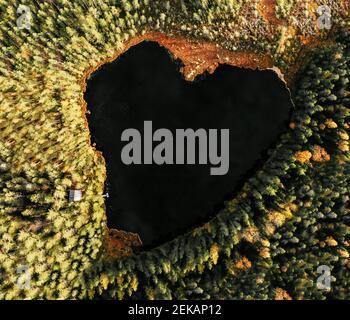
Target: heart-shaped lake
<point>144,84</point>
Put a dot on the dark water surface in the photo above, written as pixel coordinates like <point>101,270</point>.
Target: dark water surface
<point>159,202</point>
